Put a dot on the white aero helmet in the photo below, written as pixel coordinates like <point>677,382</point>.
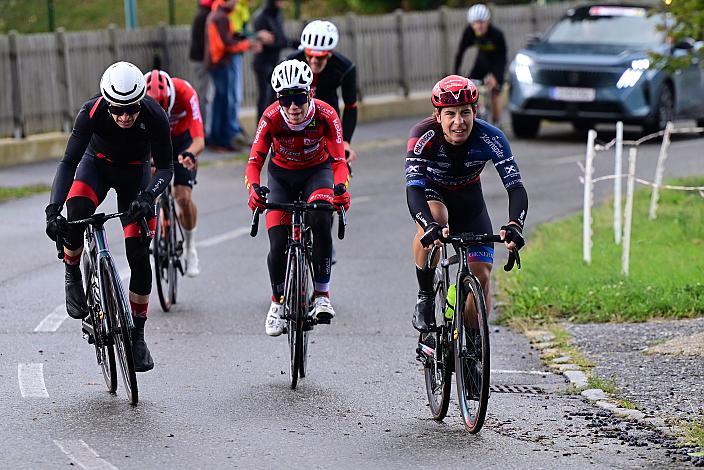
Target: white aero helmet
<point>123,84</point>
<point>291,74</point>
<point>319,36</point>
<point>478,12</point>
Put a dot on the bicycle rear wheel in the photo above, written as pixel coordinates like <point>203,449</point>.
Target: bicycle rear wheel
<point>164,270</point>
<point>438,369</point>
<point>119,323</point>
<point>104,352</point>
<point>472,356</point>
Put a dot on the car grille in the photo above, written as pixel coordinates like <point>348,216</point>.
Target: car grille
<point>592,107</point>
<point>574,78</point>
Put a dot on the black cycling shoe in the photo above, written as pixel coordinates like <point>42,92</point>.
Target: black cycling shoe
<point>424,315</point>
<point>76,305</point>
<point>143,361</point>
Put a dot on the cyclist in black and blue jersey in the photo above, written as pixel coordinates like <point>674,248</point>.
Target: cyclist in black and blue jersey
<point>446,153</point>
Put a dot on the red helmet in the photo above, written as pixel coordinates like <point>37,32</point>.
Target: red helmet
<point>454,90</point>
<point>161,88</point>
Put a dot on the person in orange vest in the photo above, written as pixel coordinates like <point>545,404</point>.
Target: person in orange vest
<point>221,46</point>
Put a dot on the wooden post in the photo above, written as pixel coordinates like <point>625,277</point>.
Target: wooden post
<point>588,198</point>
<point>402,69</point>
<point>65,82</point>
<point>17,108</point>
<point>445,40</point>
<point>114,46</point>
<point>164,43</point>
<point>628,216</point>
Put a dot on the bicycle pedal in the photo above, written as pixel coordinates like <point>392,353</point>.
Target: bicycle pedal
<point>323,321</point>
<point>89,338</point>
<point>426,350</point>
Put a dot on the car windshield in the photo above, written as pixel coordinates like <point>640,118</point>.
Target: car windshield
<point>612,25</point>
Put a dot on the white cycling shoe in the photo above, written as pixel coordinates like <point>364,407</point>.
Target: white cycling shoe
<point>323,309</point>
<point>275,325</point>
<point>192,263</point>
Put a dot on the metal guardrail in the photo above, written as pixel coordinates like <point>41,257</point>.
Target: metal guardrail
<point>47,76</point>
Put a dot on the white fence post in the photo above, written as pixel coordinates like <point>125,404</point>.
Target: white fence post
<point>618,170</point>
<point>628,216</point>
<point>588,198</point>
<point>659,170</point>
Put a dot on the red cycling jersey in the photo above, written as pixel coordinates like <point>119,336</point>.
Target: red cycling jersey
<point>185,114</point>
<point>293,149</point>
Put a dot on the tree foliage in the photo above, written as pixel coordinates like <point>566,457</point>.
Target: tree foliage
<point>685,26</point>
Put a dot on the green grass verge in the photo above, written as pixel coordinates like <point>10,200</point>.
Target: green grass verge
<point>607,385</point>
<point>665,272</point>
<point>694,433</point>
<point>22,191</point>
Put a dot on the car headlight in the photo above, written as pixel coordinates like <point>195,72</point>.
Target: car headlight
<point>632,74</point>
<point>523,63</point>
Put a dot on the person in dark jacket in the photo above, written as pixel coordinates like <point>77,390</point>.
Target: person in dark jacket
<point>202,84</point>
<point>269,18</point>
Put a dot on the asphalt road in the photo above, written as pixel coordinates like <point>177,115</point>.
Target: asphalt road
<point>219,396</point>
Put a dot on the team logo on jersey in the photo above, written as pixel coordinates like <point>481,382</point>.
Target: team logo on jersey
<point>510,170</point>
<point>425,138</point>
<point>262,125</point>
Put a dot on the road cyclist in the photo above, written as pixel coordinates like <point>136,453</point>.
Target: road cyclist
<point>110,145</point>
<point>308,160</point>
<point>180,101</point>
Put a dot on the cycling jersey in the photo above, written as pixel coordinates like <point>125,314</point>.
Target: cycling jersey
<point>97,135</point>
<point>319,140</point>
<point>491,54</point>
<point>431,161</point>
<point>185,114</point>
<point>339,72</point>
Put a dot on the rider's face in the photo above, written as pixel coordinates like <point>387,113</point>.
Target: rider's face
<point>125,120</point>
<point>295,113</point>
<point>317,62</point>
<point>480,28</point>
<point>456,122</point>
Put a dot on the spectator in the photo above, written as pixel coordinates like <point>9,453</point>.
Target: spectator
<point>203,85</point>
<point>220,49</point>
<point>490,64</point>
<point>239,16</point>
<point>269,18</point>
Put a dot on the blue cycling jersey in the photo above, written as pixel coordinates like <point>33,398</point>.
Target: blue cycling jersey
<point>431,158</point>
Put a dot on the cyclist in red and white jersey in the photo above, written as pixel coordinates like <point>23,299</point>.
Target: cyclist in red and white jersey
<point>180,101</point>
<point>305,137</point>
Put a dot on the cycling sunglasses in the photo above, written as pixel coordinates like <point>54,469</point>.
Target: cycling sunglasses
<point>130,109</point>
<point>449,98</point>
<point>287,100</point>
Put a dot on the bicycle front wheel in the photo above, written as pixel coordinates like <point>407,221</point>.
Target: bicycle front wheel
<point>118,312</point>
<point>472,356</point>
<point>104,350</point>
<point>438,368</point>
<point>292,306</point>
<point>164,269</point>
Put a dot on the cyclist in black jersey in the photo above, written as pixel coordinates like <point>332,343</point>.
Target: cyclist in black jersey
<point>490,64</point>
<point>446,153</point>
<point>331,70</point>
<point>110,146</point>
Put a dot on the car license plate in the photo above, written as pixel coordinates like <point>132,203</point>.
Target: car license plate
<point>572,94</point>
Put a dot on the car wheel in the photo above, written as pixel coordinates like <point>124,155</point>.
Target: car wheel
<point>664,111</point>
<point>525,127</point>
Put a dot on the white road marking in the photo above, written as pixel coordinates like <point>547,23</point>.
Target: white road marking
<point>223,237</point>
<point>82,455</point>
<point>31,379</point>
<point>53,321</point>
<point>526,372</point>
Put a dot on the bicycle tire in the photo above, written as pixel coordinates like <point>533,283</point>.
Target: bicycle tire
<point>471,358</point>
<point>120,326</point>
<point>291,308</point>
<point>306,297</point>
<point>176,251</point>
<point>161,248</point>
<point>104,351</point>
<point>438,370</point>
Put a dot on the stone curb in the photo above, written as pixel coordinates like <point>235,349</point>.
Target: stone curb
<point>543,341</point>
<point>50,146</point>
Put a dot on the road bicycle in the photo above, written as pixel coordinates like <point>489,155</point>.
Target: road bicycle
<point>460,341</point>
<point>167,249</point>
<point>109,324</point>
<point>298,285</point>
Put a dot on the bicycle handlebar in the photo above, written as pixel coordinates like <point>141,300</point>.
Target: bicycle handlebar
<point>466,239</point>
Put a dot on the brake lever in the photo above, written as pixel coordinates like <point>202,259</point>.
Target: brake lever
<point>144,230</point>
<point>255,223</point>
